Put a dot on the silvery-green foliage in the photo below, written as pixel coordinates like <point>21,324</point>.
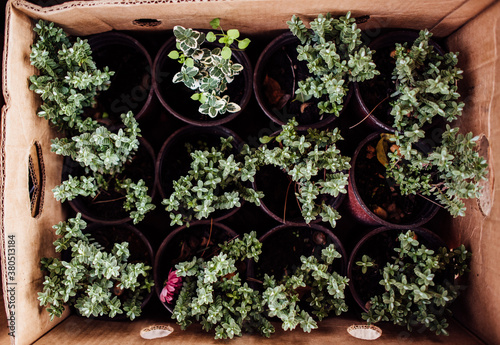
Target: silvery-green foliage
<point>451,172</point>
<point>335,56</point>
<point>69,79</point>
<point>218,180</point>
<point>88,279</point>
<point>426,87</point>
<point>313,161</point>
<point>414,295</point>
<point>208,71</point>
<point>214,294</point>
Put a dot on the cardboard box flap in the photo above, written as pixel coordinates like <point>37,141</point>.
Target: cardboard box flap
<point>478,43</point>
<point>249,16</point>
<point>25,239</point>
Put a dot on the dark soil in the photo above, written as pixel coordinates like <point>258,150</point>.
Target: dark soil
<point>281,251</point>
<point>130,84</point>
<point>381,87</point>
<point>381,195</point>
<point>379,248</point>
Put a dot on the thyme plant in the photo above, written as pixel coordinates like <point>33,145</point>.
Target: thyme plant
<point>417,291</point>
<point>94,281</point>
<point>69,79</point>
<point>335,57</point>
<point>214,294</point>
<point>68,83</point>
<point>208,71</point>
<point>426,87</point>
<point>217,181</point>
<point>450,173</point>
<point>313,161</point>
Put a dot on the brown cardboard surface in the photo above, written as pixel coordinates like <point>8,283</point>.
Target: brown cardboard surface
<point>33,236</point>
<point>20,128</point>
<point>479,47</point>
<point>331,331</point>
<point>249,16</point>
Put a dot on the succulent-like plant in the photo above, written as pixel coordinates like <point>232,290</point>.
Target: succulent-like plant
<point>94,281</point>
<point>426,87</point>
<point>208,71</point>
<point>450,172</point>
<point>69,79</point>
<point>326,295</point>
<point>214,294</point>
<point>68,83</point>
<point>216,181</point>
<point>335,56</point>
<point>306,158</point>
<point>417,291</point>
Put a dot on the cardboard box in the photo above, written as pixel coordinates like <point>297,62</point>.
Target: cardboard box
<point>470,27</point>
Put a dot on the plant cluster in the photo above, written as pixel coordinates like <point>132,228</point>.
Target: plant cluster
<point>335,56</point>
<point>68,83</point>
<point>450,173</point>
<point>306,158</point>
<point>208,71</point>
<point>214,294</point>
<point>217,181</point>
<point>94,281</point>
<point>417,289</point>
<point>426,86</point>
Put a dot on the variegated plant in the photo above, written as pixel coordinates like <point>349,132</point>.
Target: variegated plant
<point>208,71</point>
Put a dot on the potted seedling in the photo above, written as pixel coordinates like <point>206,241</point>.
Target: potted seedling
<point>218,180</point>
<point>68,84</point>
<point>375,199</point>
<point>210,68</point>
<point>200,240</point>
<point>418,82</point>
<point>306,73</point>
<point>314,172</point>
<point>215,294</point>
<point>415,276</point>
<point>301,269</point>
<point>95,280</point>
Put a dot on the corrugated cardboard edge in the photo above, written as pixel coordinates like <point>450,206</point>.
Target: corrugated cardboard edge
<point>241,14</point>
<point>33,236</point>
<point>479,44</point>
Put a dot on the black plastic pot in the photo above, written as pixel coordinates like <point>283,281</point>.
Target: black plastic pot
<point>382,85</point>
<point>174,160</point>
<point>131,86</point>
<point>182,244</point>
<point>280,58</point>
<point>362,212</point>
<point>139,247</point>
<point>109,209</point>
<point>380,242</point>
<point>176,98</point>
<point>283,246</point>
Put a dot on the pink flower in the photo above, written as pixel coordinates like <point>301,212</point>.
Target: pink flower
<point>172,286</point>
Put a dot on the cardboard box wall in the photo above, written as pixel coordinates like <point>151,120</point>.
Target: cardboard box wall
<point>471,27</point>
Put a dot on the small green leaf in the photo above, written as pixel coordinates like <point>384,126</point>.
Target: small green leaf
<point>244,43</point>
<point>265,139</point>
<point>189,62</point>
<point>211,37</point>
<point>196,97</point>
<point>215,23</point>
<point>174,54</point>
<point>233,33</point>
<point>226,53</point>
